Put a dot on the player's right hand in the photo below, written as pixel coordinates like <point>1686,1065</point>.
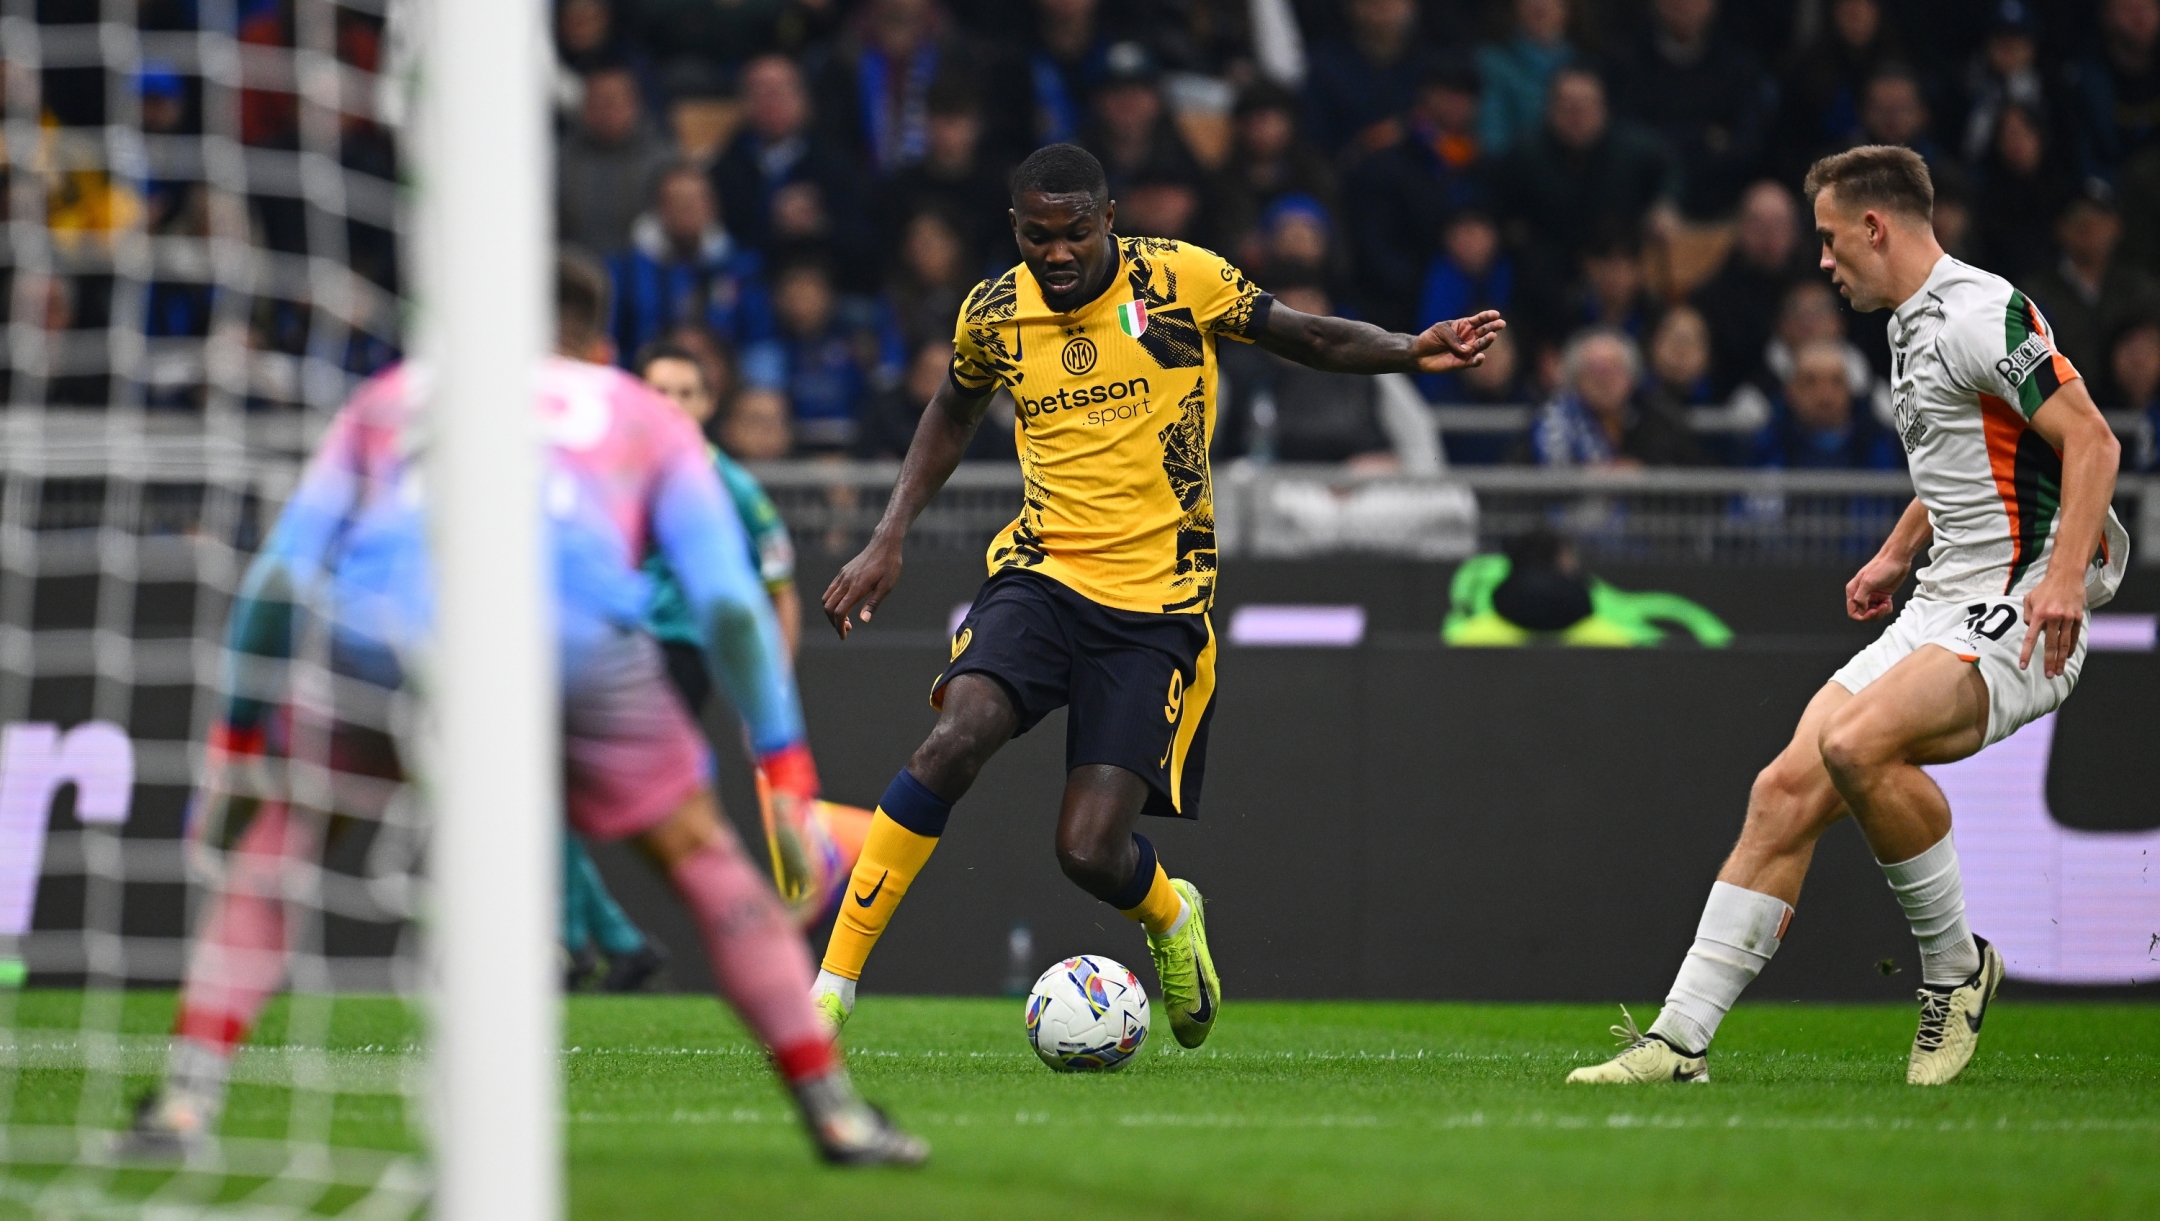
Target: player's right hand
<point>1870,594</point>
<point>1457,343</point>
<point>863,582</point>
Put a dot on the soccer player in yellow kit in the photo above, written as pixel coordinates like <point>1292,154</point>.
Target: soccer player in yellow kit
<point>1099,592</point>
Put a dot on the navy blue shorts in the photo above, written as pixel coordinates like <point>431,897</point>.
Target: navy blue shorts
<point>1140,686</point>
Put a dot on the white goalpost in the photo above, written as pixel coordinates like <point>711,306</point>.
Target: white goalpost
<point>485,287</point>
<point>217,217</point>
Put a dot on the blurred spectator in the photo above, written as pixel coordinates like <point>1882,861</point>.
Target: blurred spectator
<point>955,179</point>
<point>1613,292</point>
<point>1269,159</point>
<point>2139,195</point>
<point>1517,74</point>
<point>588,39</point>
<point>56,305</point>
<point>730,32</point>
<point>1810,313</point>
<point>1356,86</point>
<point>1599,418</point>
<point>935,275</point>
<point>2135,370</point>
<point>2004,72</point>
<point>1707,97</point>
<point>1816,427</point>
<point>683,267</point>
<point>1164,200</point>
<point>1285,412</point>
<point>1496,383</point>
<point>1823,86</point>
<point>1296,243</point>
<point>889,422</point>
<point>2116,87</point>
<point>890,419</point>
<point>606,166</point>
<point>585,35</point>
<point>2024,186</point>
<point>1207,37</point>
<point>1471,274</point>
<point>2088,295</point>
<point>1066,64</point>
<point>776,149</point>
<point>755,427</point>
<point>1131,131</point>
<point>182,305</point>
<point>1582,173</point>
<point>1892,111</point>
<point>1766,259</point>
<point>873,84</point>
<point>827,364</point>
<point>1397,201</point>
<point>167,110</point>
<point>1680,362</point>
<point>1953,218</point>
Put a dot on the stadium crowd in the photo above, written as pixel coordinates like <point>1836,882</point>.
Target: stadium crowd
<point>804,190</point>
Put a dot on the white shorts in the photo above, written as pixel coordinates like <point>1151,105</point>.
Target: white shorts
<point>1988,633</point>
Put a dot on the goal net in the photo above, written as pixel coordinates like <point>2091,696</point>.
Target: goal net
<point>206,248</point>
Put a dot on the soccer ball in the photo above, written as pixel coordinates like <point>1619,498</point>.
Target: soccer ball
<point>1087,1014</point>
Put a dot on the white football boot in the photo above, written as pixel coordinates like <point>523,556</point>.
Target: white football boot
<point>1950,1022</point>
<point>1644,1059</point>
<point>170,1123</point>
<point>851,1132</point>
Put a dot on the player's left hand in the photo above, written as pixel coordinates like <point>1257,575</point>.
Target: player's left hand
<point>1459,343</point>
<point>1872,593</point>
<point>2054,614</point>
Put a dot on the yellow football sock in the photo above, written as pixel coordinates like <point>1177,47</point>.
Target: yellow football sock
<point>891,857</point>
<point>1159,912</point>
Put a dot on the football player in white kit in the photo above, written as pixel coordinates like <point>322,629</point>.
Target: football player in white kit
<point>2014,469</point>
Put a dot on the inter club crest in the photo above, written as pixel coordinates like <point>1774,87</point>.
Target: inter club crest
<point>1132,318</point>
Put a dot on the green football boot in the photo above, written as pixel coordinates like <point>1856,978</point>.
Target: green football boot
<point>1191,991</point>
<point>833,1009</point>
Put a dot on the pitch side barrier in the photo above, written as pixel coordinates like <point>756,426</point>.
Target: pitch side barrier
<point>1717,516</point>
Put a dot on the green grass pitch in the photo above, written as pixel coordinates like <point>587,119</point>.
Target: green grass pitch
<point>1324,1110</point>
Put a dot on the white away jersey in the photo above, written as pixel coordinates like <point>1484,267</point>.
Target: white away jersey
<point>1971,361</point>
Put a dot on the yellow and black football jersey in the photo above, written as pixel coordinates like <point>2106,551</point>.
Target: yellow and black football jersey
<point>1116,405</point>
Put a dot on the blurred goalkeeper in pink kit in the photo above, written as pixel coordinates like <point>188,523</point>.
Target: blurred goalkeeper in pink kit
<point>303,753</point>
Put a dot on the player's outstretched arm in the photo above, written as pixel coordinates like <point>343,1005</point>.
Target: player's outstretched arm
<point>1339,345</point>
<point>947,425</point>
<point>1871,592</point>
<point>287,570</point>
<point>700,535</point>
<point>2055,609</point>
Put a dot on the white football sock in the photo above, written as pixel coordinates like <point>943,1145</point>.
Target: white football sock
<point>1932,892</point>
<point>1739,932</point>
<point>839,985</point>
<point>1184,913</point>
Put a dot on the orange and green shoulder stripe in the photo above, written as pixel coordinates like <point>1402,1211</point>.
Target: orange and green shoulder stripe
<point>2031,362</point>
